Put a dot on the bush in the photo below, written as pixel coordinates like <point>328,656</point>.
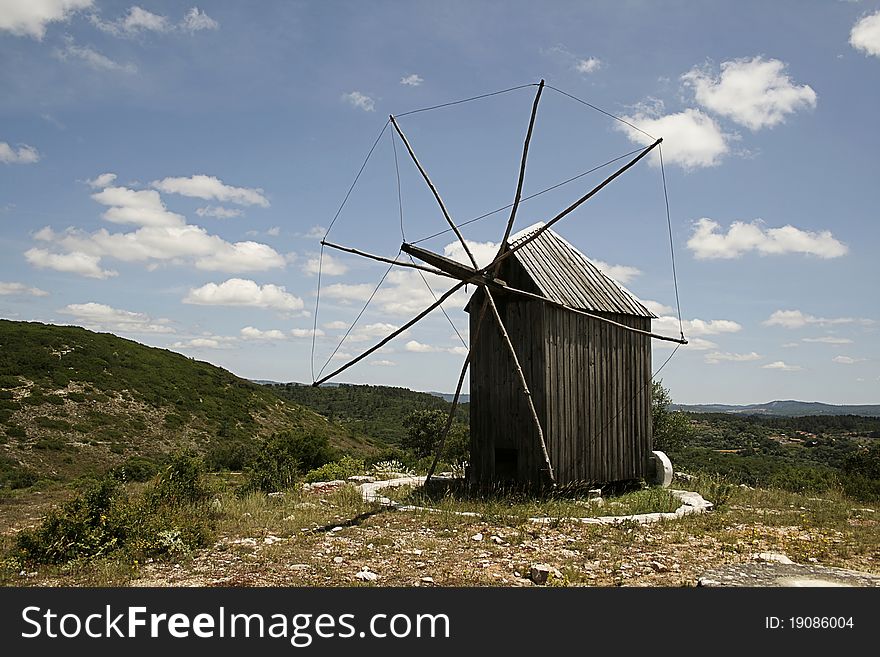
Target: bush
<point>283,458</point>
<point>671,428</point>
<point>13,475</point>
<point>136,468</point>
<point>344,468</point>
<point>230,455</point>
<point>15,431</point>
<point>170,519</point>
<point>424,429</point>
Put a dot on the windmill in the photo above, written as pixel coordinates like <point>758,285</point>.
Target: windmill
<point>492,290</point>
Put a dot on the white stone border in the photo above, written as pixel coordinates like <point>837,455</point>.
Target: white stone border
<point>691,503</point>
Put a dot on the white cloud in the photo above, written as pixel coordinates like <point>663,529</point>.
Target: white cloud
<point>306,333</point>
<point>30,17</point>
<point>865,34</point>
<point>211,188</point>
<point>274,231</point>
<point>102,317</point>
<point>667,324</point>
<point>828,339</point>
<point>359,100</point>
<point>588,65</point>
<point>793,319</point>
<point>136,21</point>
<point>412,80</point>
<point>694,344</point>
<point>348,292</point>
<point>74,262</point>
<point>372,331</point>
<point>202,343</point>
<point>163,236</point>
<point>708,242</point>
<point>781,365</point>
<point>23,155</point>
<point>754,92</point>
<point>101,181</point>
<point>91,58</point>
<point>483,252</point>
<point>381,363</point>
<point>336,326</point>
<point>330,266</point>
<point>218,212</point>
<point>315,232</point>
<point>621,273</point>
<point>420,348</point>
<point>140,207</point>
<point>847,360</point>
<point>658,308</point>
<point>691,139</point>
<point>243,292</point>
<point>251,333</point>
<point>715,357</point>
<point>8,289</point>
<point>196,20</point>
<point>790,345</point>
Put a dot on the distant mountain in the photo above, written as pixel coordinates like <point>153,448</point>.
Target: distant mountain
<point>787,408</point>
<point>448,396</point>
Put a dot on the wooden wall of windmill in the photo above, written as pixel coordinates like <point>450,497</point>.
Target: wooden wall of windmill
<point>589,379</point>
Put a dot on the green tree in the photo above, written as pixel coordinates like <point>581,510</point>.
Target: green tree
<point>671,428</point>
<point>423,431</point>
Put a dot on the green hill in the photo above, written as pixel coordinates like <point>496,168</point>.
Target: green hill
<point>375,411</point>
<point>75,402</point>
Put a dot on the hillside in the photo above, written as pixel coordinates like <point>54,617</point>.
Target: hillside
<point>375,411</point>
<point>74,402</point>
<point>787,408</point>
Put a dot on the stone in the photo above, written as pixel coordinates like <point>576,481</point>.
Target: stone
<point>772,557</point>
<point>496,539</point>
<point>659,567</point>
<point>539,573</point>
<point>367,576</point>
<point>427,580</point>
<point>662,475</point>
<point>338,559</point>
<point>477,537</point>
<point>336,529</point>
<point>362,479</point>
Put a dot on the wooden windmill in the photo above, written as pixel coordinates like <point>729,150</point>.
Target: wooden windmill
<point>579,410</point>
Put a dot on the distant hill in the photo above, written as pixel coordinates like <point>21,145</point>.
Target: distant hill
<point>74,402</point>
<point>448,396</point>
<point>375,411</point>
<point>788,408</point>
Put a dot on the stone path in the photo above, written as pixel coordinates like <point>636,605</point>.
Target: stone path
<point>691,503</point>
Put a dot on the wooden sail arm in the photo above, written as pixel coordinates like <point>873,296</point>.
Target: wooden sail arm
<point>390,261</point>
<point>571,208</point>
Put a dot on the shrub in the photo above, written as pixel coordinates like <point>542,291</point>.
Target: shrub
<point>136,468</point>
<point>344,468</point>
<point>283,457</point>
<point>15,431</point>
<point>230,454</point>
<point>671,428</point>
<point>180,483</point>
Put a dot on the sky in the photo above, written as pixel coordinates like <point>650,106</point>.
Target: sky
<point>167,171</point>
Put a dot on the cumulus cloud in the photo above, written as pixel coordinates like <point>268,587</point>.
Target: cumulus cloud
<point>756,93</point>
<point>620,273</point>
<point>359,100</point>
<point>781,365</point>
<point>828,339</point>
<point>74,262</point>
<point>483,252</point>
<point>211,188</point>
<point>135,21</point>
<point>9,289</point>
<point>306,333</point>
<point>218,212</point>
<point>708,240</point>
<point>30,17</point>
<point>715,357</point>
<point>24,154</point>
<point>865,34</point>
<point>691,139</point>
<point>669,325</point>
<point>372,332</point>
<point>214,342</point>
<point>243,292</point>
<point>847,360</point>
<point>588,65</point>
<point>794,319</point>
<point>658,308</point>
<point>162,236</point>
<point>101,317</point>
<point>91,58</point>
<point>422,348</point>
<point>412,80</point>
<point>196,20</point>
<point>315,233</point>
<point>101,181</point>
<point>381,363</point>
<point>251,333</point>
<point>336,326</point>
<point>329,266</point>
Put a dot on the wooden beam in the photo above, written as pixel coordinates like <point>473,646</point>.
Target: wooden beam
<point>390,261</point>
<point>433,191</point>
<point>451,267</point>
<point>523,383</point>
<point>522,171</point>
<point>571,208</point>
<point>393,335</point>
<point>578,311</point>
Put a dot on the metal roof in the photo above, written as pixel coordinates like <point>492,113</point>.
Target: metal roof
<point>567,276</point>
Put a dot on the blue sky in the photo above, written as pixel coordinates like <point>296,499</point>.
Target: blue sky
<point>167,171</point>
